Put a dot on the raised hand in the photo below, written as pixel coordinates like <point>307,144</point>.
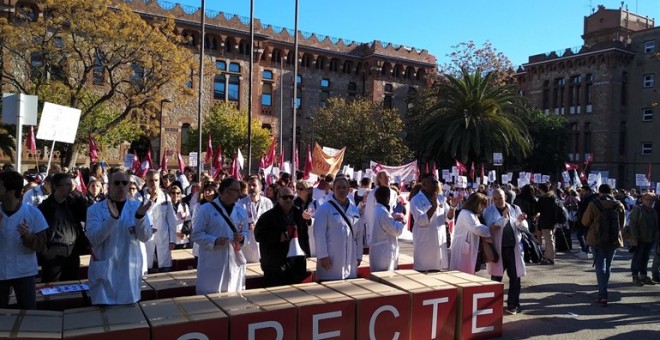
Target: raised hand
<point>142,210</point>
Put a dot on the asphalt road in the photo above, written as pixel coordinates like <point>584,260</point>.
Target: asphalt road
<point>557,302</point>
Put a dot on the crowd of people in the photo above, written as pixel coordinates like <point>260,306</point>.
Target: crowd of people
<point>129,227</point>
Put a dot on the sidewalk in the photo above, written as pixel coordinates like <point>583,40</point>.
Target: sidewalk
<point>557,302</point>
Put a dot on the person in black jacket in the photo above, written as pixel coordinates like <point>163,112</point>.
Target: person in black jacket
<point>547,208</point>
<point>274,231</point>
<point>66,239</point>
<point>586,196</point>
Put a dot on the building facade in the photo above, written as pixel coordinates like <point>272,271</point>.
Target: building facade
<point>606,90</point>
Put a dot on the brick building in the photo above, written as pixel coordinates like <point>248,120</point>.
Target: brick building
<point>606,90</point>
<point>327,67</point>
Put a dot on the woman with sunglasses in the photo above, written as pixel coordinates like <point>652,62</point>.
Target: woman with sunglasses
<point>182,215</point>
<point>307,205</point>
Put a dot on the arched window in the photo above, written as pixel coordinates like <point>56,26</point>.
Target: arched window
<point>320,63</point>
<point>185,138</point>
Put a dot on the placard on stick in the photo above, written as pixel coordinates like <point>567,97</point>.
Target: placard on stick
<point>58,123</point>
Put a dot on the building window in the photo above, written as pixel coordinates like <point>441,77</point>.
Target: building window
<point>649,46</point>
<point>647,115</point>
<point>622,138</point>
<point>267,94</point>
<point>323,100</point>
<point>219,87</point>
<point>138,74</point>
<point>234,67</point>
<point>189,83</point>
<point>574,138</point>
<point>387,101</point>
<point>234,90</point>
<point>587,137</point>
<point>647,148</point>
<point>352,86</point>
<point>389,88</point>
<point>185,136</point>
<point>221,65</point>
<point>37,64</point>
<point>298,100</point>
<point>299,79</point>
<point>649,80</point>
<point>268,74</point>
<point>98,73</point>
<point>325,83</point>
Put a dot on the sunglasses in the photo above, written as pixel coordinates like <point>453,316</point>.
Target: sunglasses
<point>124,183</point>
<point>175,192</point>
<point>287,197</point>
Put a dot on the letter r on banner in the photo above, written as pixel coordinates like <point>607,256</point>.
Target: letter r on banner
<point>315,325</point>
<point>252,329</point>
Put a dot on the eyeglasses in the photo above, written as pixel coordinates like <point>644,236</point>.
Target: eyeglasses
<point>124,183</point>
<point>287,197</point>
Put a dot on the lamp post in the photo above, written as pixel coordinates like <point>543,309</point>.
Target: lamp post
<point>200,91</point>
<point>282,60</point>
<point>160,127</point>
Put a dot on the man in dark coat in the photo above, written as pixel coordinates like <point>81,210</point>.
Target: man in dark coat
<point>275,231</point>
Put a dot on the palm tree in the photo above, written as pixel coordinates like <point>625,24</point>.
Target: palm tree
<point>472,118</point>
<point>7,143</point>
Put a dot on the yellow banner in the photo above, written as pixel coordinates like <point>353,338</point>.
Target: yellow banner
<point>324,163</point>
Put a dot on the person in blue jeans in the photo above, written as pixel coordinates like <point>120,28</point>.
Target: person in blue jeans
<point>603,252</point>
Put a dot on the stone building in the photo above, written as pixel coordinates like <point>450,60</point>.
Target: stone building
<point>327,67</point>
<point>602,88</point>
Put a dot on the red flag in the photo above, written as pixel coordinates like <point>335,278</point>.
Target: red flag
<point>472,171</point>
<point>269,159</point>
<point>31,143</point>
<point>588,159</point>
<point>163,162</point>
<point>435,169</point>
<point>648,173</point>
<point>148,159</point>
<point>426,169</point>
<point>136,162</point>
<point>235,172</point>
<point>262,163</point>
<point>281,158</point>
<point>81,184</point>
<point>483,172</point>
<point>460,167</point>
<point>146,164</point>
<point>182,165</point>
<point>583,177</point>
<point>209,151</point>
<point>93,150</point>
<point>570,166</point>
<point>296,161</point>
<point>217,161</point>
<point>531,177</point>
<point>308,163</point>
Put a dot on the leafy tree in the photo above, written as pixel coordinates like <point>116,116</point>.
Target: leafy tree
<point>99,57</point>
<point>7,142</point>
<point>466,55</point>
<point>550,138</point>
<point>472,118</point>
<point>367,130</point>
<point>228,128</point>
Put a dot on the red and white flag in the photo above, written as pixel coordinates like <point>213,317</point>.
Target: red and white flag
<point>31,143</point>
<point>269,159</point>
<point>209,151</point>
<point>235,171</point>
<point>483,171</point>
<point>472,171</point>
<point>136,162</point>
<point>81,183</point>
<point>262,163</point>
<point>281,158</point>
<point>570,166</point>
<point>93,150</point>
<point>163,162</point>
<point>426,169</point>
<point>460,167</point>
<point>308,163</point>
<point>146,164</point>
<point>217,162</point>
<point>179,159</point>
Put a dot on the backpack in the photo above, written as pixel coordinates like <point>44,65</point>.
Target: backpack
<point>607,234</point>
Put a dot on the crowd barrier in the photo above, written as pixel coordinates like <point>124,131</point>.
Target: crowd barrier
<point>403,304</point>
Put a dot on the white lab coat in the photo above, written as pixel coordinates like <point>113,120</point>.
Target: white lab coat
<point>17,260</point>
<point>182,214</point>
<point>35,196</point>
<point>384,249</point>
<point>217,270</point>
<point>338,241</point>
<point>161,215</point>
<point>492,215</point>
<point>115,270</point>
<point>370,211</point>
<point>254,211</point>
<point>465,243</point>
<point>429,235</point>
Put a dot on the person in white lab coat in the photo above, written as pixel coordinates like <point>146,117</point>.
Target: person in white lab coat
<point>163,221</point>
<point>182,215</point>
<point>384,249</point>
<point>115,228</point>
<point>383,179</point>
<point>337,242</point>
<point>506,222</point>
<point>467,230</point>
<point>255,204</point>
<point>429,210</point>
<point>221,264</point>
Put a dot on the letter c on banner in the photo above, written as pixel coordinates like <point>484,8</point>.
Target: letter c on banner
<point>252,328</point>
<point>372,321</point>
<point>193,336</point>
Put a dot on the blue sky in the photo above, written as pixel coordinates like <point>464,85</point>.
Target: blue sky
<point>517,28</point>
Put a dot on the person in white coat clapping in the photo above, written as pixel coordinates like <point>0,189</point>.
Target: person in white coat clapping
<point>467,231</point>
<point>384,250</point>
<point>506,222</point>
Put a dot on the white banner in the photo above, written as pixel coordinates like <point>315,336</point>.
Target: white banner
<point>58,123</point>
<point>406,172</point>
<point>461,182</point>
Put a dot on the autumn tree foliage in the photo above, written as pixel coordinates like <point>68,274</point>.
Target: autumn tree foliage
<point>99,57</point>
<point>468,56</point>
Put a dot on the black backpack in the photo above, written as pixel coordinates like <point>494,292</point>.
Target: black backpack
<point>607,234</point>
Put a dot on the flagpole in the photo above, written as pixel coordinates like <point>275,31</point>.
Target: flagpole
<point>251,76</point>
<point>295,85</point>
<point>200,91</point>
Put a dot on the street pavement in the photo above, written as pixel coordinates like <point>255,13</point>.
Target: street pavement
<point>557,302</point>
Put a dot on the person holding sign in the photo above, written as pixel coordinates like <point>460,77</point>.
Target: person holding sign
<point>23,229</point>
<point>220,228</point>
<point>115,228</point>
<point>337,236</point>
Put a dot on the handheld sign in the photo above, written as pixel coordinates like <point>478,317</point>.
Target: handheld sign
<point>58,123</point>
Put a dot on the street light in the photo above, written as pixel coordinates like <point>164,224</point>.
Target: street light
<point>160,127</point>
